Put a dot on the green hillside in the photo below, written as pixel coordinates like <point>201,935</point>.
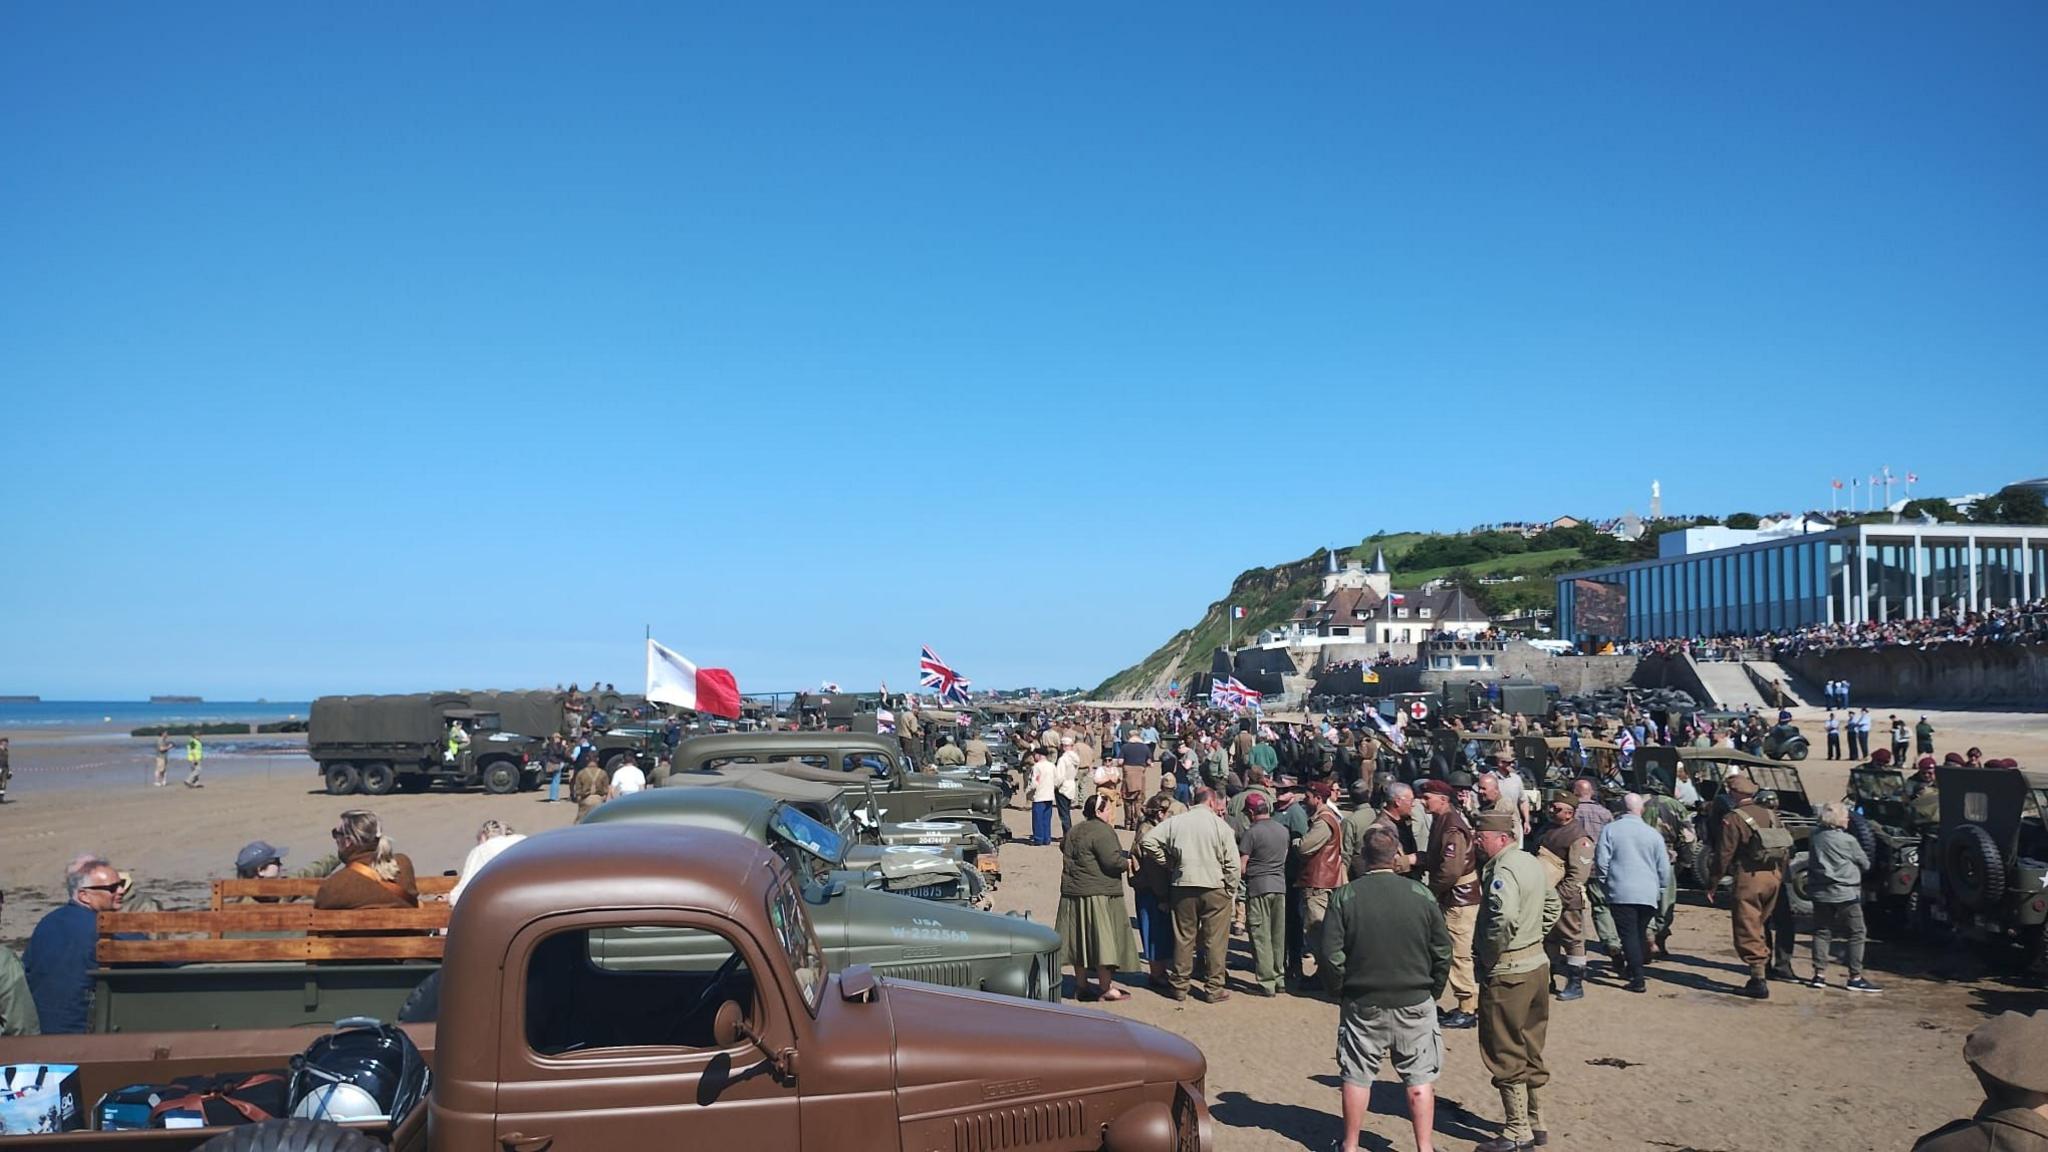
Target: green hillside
<point>1270,595</point>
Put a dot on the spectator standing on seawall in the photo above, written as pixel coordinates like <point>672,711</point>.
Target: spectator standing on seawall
<point>1389,952</point>
<point>62,951</point>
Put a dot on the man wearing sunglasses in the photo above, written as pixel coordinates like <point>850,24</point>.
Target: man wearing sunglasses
<point>60,956</point>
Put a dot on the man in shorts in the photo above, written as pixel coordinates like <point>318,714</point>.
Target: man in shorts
<point>1389,950</point>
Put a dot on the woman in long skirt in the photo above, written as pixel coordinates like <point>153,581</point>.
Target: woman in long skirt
<point>1094,927</point>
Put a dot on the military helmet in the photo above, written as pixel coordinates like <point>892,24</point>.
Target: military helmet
<point>1767,797</point>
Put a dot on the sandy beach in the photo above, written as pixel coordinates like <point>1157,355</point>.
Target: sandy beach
<point>1688,1066</point>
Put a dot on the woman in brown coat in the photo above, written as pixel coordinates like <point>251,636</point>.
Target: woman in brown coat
<point>371,874</point>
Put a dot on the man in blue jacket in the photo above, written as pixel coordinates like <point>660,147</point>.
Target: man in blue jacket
<point>62,950</point>
<point>1632,860</point>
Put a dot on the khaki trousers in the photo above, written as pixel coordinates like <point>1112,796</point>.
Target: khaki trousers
<point>1463,988</point>
<point>1315,904</point>
<point>1756,897</point>
<point>1265,919</point>
<point>1514,1017</point>
<point>1201,918</point>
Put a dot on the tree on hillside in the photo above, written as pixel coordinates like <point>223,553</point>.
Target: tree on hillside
<point>1938,508</point>
<point>2012,504</point>
<point>1743,520</point>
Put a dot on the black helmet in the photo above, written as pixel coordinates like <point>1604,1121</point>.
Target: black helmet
<point>365,1070</point>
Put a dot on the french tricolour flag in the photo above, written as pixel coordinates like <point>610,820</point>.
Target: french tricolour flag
<point>1236,613</point>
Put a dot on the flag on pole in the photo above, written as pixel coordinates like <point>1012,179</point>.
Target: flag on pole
<point>1912,478</point>
<point>674,680</point>
<point>1392,732</point>
<point>1396,598</point>
<point>933,673</point>
<point>1236,613</point>
<point>1838,485</point>
<point>1232,693</point>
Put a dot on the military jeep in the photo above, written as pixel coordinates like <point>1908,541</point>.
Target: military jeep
<point>1708,768</point>
<point>858,918</point>
<point>1885,825</point>
<point>851,760</point>
<point>1984,870</point>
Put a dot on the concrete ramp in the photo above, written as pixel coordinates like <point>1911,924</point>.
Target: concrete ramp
<point>1727,683</point>
<point>1772,680</point>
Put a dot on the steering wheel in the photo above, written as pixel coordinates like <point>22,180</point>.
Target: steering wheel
<point>712,996</point>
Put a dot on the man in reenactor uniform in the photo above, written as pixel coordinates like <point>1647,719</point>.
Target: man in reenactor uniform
<point>949,754</point>
<point>1321,852</point>
<point>1564,840</point>
<point>976,751</point>
<point>1671,819</point>
<point>1357,823</point>
<point>2009,1054</point>
<point>1753,847</point>
<point>1520,909</point>
<point>1454,880</point>
<point>589,787</point>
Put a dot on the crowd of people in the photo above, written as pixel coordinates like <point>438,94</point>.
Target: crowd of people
<point>2025,623</point>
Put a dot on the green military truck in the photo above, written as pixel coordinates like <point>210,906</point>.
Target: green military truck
<point>850,760</point>
<point>377,744</point>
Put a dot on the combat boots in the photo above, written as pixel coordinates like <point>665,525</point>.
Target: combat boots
<point>1515,1133</point>
<point>1539,1136</point>
<point>1757,989</point>
<point>1574,985</point>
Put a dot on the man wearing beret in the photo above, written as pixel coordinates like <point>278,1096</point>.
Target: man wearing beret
<point>1520,909</point>
<point>2009,1054</point>
<point>1454,881</point>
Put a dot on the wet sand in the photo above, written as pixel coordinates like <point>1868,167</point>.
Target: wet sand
<point>1688,1066</point>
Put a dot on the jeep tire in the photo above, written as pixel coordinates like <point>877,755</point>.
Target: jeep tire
<point>342,779</point>
<point>1794,890</point>
<point>1972,867</point>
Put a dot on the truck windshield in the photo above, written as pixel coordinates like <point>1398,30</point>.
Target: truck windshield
<point>793,933</point>
<point>796,828</point>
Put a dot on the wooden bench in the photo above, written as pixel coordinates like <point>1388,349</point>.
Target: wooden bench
<point>290,928</point>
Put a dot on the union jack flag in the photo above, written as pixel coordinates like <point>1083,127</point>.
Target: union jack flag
<point>932,672</point>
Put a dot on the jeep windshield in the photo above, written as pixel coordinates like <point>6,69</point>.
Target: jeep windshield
<point>1867,785</point>
<point>793,827</point>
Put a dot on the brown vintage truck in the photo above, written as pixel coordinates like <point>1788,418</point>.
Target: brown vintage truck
<point>625,986</point>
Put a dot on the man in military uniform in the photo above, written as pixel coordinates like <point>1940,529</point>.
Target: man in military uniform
<point>1454,880</point>
<point>589,787</point>
<point>949,754</point>
<point>1565,841</point>
<point>1520,909</point>
<point>1357,823</point>
<point>1321,855</point>
<point>1756,860</point>
<point>2009,1054</point>
<point>1674,822</point>
<point>974,751</point>
<point>1410,826</point>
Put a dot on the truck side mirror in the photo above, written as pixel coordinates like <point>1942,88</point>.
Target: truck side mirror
<point>857,984</point>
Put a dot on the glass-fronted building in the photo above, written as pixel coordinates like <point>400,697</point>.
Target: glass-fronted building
<point>1857,574</point>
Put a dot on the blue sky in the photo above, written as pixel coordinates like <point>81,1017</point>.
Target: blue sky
<point>384,347</point>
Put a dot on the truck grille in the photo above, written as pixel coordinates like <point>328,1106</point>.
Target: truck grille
<point>1018,1127</point>
<point>952,973</point>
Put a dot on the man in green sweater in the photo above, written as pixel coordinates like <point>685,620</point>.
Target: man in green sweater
<point>1390,951</point>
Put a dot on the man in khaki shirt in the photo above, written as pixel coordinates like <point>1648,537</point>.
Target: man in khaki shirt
<point>1200,851</point>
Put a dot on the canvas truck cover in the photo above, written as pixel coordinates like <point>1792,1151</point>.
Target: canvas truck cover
<point>410,719</point>
<point>538,713</point>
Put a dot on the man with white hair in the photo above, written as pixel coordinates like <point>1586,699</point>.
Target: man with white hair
<point>1835,864</point>
<point>1630,859</point>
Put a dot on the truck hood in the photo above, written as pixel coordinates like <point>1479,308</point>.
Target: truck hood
<point>962,1049</point>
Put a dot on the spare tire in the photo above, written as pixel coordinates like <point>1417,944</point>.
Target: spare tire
<point>1972,867</point>
<point>1859,827</point>
<point>291,1136</point>
<point>1795,886</point>
<point>423,1005</point>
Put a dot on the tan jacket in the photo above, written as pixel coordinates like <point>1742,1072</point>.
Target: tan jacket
<point>1197,847</point>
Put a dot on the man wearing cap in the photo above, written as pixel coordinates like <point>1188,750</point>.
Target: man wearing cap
<point>1758,877</point>
<point>1357,823</point>
<point>259,860</point>
<point>1564,840</point>
<point>1321,854</point>
<point>1511,788</point>
<point>2009,1054</point>
<point>1262,858</point>
<point>1454,880</point>
<point>1520,909</point>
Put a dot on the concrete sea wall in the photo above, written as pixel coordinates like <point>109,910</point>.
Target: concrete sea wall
<point>1949,675</point>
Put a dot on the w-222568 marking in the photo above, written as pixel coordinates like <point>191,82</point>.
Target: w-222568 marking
<point>927,930</point>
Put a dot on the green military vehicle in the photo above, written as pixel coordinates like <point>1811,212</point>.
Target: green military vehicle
<point>851,760</point>
<point>858,917</point>
<point>546,713</point>
<point>375,744</point>
<point>1984,869</point>
<point>1655,769</point>
<point>1784,741</point>
<point>1890,833</point>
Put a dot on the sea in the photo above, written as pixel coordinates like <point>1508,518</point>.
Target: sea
<point>138,713</point>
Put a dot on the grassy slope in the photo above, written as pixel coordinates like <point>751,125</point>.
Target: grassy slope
<point>1270,595</point>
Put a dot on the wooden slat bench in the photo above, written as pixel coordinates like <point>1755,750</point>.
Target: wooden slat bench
<point>289,931</point>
